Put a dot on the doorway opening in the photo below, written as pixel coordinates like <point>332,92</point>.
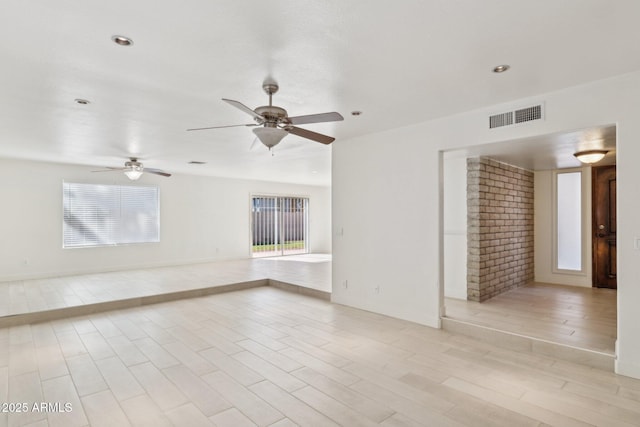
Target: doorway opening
<point>543,307</point>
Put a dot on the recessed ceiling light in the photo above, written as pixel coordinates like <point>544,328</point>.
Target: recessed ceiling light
<point>195,162</point>
<point>122,40</point>
<point>356,113</point>
<point>501,68</point>
<point>82,101</point>
<point>314,171</point>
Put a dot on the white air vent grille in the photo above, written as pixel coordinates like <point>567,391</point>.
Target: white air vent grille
<point>521,115</point>
<point>528,114</point>
<point>499,120</point>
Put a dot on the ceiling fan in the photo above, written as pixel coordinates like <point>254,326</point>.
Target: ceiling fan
<point>273,123</point>
<point>133,169</point>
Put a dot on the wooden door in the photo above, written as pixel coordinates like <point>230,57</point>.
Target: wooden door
<point>604,226</point>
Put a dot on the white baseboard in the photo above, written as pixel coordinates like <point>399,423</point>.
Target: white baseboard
<point>627,369</point>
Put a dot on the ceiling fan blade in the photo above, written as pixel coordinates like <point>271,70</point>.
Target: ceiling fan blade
<point>318,137</point>
<point>228,126</point>
<point>241,106</point>
<point>110,169</point>
<point>316,118</point>
<point>157,172</point>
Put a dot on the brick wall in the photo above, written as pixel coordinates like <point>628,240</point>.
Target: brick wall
<point>499,228</point>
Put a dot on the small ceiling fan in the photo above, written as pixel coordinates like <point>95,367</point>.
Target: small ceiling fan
<point>133,169</point>
<point>274,122</point>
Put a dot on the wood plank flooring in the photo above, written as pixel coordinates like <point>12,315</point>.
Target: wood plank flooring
<point>312,271</point>
<point>576,316</point>
<point>268,357</point>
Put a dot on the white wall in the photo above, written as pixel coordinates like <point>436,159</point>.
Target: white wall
<point>455,227</point>
<point>202,219</point>
<point>544,212</point>
<point>386,198</point>
<point>384,226</point>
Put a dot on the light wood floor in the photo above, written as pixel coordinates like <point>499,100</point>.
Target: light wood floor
<point>311,271</point>
<point>264,356</point>
<point>268,357</point>
<point>576,316</point>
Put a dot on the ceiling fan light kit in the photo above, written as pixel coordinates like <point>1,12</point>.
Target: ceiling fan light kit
<point>273,123</point>
<point>269,136</point>
<point>135,170</point>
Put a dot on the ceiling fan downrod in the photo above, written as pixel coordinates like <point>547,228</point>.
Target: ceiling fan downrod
<point>270,88</point>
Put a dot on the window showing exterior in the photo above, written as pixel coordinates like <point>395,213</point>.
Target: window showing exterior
<point>105,215</point>
<point>279,226</point>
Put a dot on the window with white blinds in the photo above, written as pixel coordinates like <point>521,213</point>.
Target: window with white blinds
<point>100,215</point>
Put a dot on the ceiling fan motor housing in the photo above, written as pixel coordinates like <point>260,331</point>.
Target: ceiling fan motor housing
<point>133,164</point>
<point>272,115</point>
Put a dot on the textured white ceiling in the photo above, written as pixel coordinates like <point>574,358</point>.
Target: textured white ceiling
<point>400,63</point>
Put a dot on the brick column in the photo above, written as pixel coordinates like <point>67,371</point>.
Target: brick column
<point>499,228</point>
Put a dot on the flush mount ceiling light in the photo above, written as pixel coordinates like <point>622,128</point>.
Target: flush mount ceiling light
<point>590,156</point>
<point>501,68</point>
<point>122,40</point>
